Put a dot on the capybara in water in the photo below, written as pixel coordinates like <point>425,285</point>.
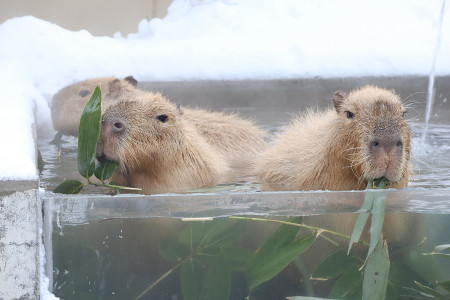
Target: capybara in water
<point>364,136</point>
<point>156,148</point>
<point>68,103</point>
<point>236,138</point>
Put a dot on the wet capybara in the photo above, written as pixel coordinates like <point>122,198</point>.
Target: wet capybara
<point>238,139</point>
<point>156,148</point>
<point>364,136</point>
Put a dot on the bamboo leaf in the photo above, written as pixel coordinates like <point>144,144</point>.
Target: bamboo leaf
<point>172,250</point>
<point>217,284</point>
<point>445,285</point>
<point>69,187</point>
<point>429,291</point>
<point>347,284</point>
<point>88,134</point>
<point>105,169</point>
<point>283,236</point>
<point>377,220</point>
<point>376,273</point>
<point>333,265</point>
<point>192,276</point>
<point>275,263</point>
<point>237,257</point>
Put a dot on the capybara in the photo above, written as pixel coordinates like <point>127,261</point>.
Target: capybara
<point>238,139</point>
<point>364,136</point>
<point>156,148</point>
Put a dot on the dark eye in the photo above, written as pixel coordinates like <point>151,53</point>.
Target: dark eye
<point>162,118</point>
<point>350,115</point>
<point>83,93</point>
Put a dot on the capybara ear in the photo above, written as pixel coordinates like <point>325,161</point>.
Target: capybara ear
<point>338,99</point>
<point>131,80</point>
<point>114,88</point>
<point>179,109</point>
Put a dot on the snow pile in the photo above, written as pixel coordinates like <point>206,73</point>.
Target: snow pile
<point>245,39</point>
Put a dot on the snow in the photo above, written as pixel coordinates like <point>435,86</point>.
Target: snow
<point>212,40</point>
<point>222,40</point>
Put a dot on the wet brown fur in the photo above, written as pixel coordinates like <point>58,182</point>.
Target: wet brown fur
<point>153,155</point>
<point>238,139</point>
<point>329,151</point>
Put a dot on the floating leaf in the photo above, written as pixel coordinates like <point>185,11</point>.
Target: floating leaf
<point>306,298</point>
<point>88,134</point>
<point>376,273</point>
<point>217,284</point>
<point>333,266</point>
<point>105,169</point>
<point>69,187</point>
<point>347,284</point>
<point>274,264</point>
<point>438,250</point>
<point>192,276</point>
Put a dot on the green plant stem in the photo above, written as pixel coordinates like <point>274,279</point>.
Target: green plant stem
<point>116,186</point>
<point>298,225</point>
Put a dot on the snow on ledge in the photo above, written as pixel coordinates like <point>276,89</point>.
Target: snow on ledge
<point>220,40</point>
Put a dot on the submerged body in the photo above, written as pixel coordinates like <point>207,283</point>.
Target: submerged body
<point>364,136</point>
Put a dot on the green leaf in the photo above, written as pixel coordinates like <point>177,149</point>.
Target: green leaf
<point>445,285</point>
<point>283,236</point>
<point>306,298</point>
<point>438,250</point>
<point>377,220</point>
<point>192,235</point>
<point>105,169</point>
<point>40,162</point>
<point>237,257</point>
<point>376,273</point>
<point>274,264</point>
<point>431,292</point>
<point>347,284</point>
<point>192,276</point>
<point>333,266</point>
<point>217,284</point>
<point>69,187</point>
<point>88,134</point>
<point>172,250</point>
<point>426,267</point>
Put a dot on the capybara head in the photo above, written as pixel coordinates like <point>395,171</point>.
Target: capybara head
<point>138,131</point>
<point>376,136</point>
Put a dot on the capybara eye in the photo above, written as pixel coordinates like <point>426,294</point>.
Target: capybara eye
<point>350,115</point>
<point>399,144</point>
<point>118,125</point>
<point>375,144</point>
<point>83,93</point>
<point>162,118</point>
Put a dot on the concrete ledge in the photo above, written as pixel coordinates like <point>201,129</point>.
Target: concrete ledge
<point>19,242</point>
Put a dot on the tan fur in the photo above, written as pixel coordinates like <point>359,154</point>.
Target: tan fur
<point>154,155</point>
<point>236,138</point>
<point>68,103</point>
<point>329,151</point>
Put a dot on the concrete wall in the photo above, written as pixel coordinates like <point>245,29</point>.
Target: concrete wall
<point>99,17</point>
